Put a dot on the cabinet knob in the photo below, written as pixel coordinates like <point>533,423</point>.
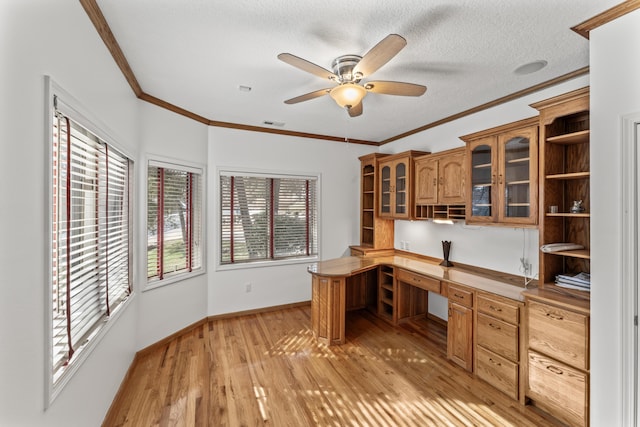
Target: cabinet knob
<point>500,179</point>
<point>493,178</point>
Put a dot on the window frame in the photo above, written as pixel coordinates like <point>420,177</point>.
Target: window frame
<point>71,106</point>
<point>153,160</point>
<point>263,173</point>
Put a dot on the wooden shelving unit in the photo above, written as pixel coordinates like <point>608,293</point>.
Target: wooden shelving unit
<point>387,293</point>
<point>375,232</point>
<point>564,178</point>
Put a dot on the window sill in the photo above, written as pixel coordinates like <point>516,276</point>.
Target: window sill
<point>263,264</point>
<point>171,279</point>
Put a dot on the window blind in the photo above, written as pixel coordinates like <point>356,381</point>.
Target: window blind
<point>91,254</point>
<point>267,218</point>
<point>174,221</point>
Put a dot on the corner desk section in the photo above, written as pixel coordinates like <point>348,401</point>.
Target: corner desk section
<point>485,308</point>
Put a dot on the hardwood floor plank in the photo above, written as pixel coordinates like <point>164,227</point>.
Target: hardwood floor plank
<point>267,369</point>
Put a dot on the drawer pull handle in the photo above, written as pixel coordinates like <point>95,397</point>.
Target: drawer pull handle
<point>498,309</point>
<point>494,326</point>
<point>554,316</point>
<point>458,296</point>
<point>555,370</point>
<point>494,362</point>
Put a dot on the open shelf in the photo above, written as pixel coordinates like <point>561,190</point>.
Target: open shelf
<point>579,137</point>
<point>573,175</point>
<point>578,253</point>
<point>569,214</point>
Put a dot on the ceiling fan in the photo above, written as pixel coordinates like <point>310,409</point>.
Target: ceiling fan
<point>349,70</point>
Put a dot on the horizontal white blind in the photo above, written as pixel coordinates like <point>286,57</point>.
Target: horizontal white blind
<point>91,235</point>
<point>174,221</point>
<point>267,218</point>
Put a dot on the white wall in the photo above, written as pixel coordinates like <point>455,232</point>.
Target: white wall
<point>339,167</point>
<point>38,38</point>
<point>164,310</point>
<point>615,92</point>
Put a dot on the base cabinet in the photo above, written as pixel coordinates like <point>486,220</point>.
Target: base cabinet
<point>558,359</point>
<point>498,343</point>
<point>460,327</point>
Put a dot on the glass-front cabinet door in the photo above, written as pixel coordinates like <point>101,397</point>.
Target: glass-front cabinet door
<point>385,190</point>
<point>401,197</point>
<point>517,177</point>
<point>481,206</point>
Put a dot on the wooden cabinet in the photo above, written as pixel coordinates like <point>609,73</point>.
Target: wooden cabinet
<point>558,356</point>
<point>460,327</point>
<point>498,343</point>
<point>396,185</point>
<point>440,185</point>
<point>375,232</point>
<point>564,178</point>
<point>502,170</point>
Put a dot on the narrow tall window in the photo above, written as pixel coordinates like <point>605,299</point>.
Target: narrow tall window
<point>91,238</point>
<point>174,221</point>
<point>267,218</point>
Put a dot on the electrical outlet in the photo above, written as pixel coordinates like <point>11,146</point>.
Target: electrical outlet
<point>247,287</point>
<point>406,245</point>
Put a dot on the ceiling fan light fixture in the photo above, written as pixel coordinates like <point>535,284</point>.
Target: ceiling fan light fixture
<point>348,95</point>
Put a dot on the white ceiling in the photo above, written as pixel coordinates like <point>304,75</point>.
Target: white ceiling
<point>196,53</point>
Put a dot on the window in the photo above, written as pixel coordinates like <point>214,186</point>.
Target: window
<point>174,221</point>
<point>267,218</point>
<point>90,235</point>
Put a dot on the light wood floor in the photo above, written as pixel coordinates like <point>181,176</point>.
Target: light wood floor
<point>266,369</point>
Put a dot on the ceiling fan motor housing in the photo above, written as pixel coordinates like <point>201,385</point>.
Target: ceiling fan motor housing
<point>343,67</point>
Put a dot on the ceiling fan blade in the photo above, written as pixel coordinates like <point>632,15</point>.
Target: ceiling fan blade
<point>307,66</point>
<point>356,110</point>
<point>395,88</point>
<point>380,54</point>
<point>308,96</point>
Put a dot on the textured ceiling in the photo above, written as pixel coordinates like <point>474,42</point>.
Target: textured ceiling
<point>196,53</point>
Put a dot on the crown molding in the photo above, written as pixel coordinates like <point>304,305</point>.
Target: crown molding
<point>607,16</point>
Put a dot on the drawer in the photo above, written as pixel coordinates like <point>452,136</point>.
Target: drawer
<point>423,282</point>
<point>497,371</point>
<point>559,333</point>
<point>460,296</point>
<point>558,388</point>
<point>498,336</point>
<point>507,311</point>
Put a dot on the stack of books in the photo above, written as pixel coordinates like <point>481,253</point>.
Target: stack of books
<point>581,281</point>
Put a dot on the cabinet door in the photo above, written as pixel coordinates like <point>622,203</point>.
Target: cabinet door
<point>400,190</point>
<point>482,176</point>
<point>460,336</point>
<point>451,180</point>
<point>426,182</point>
<point>385,190</point>
<point>518,176</point>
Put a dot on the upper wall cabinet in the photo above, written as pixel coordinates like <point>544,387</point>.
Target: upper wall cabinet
<point>502,170</point>
<point>396,185</point>
<point>440,185</point>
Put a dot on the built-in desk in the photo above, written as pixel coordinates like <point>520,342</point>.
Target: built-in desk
<point>332,280</point>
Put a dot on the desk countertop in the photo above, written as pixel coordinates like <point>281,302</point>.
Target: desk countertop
<point>502,284</point>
